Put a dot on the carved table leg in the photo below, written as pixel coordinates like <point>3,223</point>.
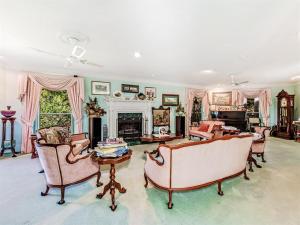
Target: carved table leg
<point>112,186</point>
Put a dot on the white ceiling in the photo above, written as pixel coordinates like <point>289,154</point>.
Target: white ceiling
<point>257,40</point>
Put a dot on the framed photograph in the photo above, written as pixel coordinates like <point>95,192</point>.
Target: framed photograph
<point>100,88</point>
<point>150,92</point>
<point>129,88</point>
<point>170,100</point>
<point>221,98</point>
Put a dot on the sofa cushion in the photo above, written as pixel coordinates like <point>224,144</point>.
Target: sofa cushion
<point>203,127</point>
<point>51,136</point>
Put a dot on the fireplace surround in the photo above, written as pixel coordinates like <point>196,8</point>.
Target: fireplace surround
<point>117,106</point>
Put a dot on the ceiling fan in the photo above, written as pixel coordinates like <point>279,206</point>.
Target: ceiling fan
<point>235,83</point>
<point>75,57</point>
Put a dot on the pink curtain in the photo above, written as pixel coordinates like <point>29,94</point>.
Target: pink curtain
<point>30,107</point>
<point>30,86</point>
<point>191,93</point>
<point>265,101</point>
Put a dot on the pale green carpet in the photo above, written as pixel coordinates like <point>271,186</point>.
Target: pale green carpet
<point>271,197</point>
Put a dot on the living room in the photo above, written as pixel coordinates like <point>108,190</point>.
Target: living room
<point>142,112</point>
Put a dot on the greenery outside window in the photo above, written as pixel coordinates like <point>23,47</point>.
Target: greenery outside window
<point>54,110</point>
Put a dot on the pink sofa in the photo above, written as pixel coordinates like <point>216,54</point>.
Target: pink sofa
<point>194,132</point>
<point>198,164</point>
<point>63,169</point>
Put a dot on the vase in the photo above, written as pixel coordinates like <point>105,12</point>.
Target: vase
<point>8,113</point>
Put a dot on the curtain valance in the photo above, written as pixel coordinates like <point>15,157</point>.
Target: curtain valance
<point>29,91</point>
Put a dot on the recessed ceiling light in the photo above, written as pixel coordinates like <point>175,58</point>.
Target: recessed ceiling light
<point>137,55</point>
<point>1,56</point>
<point>208,71</point>
<point>296,77</point>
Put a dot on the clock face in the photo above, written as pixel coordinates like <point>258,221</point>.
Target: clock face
<point>283,102</point>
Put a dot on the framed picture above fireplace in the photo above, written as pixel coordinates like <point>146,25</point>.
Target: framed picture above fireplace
<point>129,88</point>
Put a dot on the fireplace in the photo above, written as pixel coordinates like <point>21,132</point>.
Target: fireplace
<point>130,126</point>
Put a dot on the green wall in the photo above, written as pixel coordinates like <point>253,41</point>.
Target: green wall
<point>116,86</point>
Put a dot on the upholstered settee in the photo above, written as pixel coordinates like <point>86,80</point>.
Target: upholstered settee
<point>207,131</point>
<point>61,135</point>
<point>63,169</point>
<point>198,164</point>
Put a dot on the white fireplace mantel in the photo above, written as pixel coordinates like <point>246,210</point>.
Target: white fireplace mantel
<point>116,106</point>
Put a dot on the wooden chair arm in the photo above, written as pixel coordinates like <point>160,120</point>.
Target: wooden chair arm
<point>154,159</point>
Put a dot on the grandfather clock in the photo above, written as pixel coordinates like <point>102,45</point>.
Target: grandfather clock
<point>285,115</point>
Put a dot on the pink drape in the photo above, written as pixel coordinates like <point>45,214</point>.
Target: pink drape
<point>191,93</point>
<point>265,101</point>
<point>30,86</point>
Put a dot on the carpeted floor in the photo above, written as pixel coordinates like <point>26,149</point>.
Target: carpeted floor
<point>271,196</point>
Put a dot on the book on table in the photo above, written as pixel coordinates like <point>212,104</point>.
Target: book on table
<point>111,150</point>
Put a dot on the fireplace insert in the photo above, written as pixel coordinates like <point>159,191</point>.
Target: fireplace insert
<point>130,126</point>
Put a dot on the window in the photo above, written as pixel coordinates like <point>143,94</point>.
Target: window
<point>55,109</point>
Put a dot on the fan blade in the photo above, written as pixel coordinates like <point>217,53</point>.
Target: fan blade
<point>243,82</point>
<point>46,52</point>
<point>86,62</point>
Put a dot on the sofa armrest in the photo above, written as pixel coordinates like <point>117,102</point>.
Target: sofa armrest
<point>71,159</point>
<point>154,159</point>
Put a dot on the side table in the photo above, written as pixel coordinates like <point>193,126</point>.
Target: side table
<point>12,145</point>
<point>112,184</point>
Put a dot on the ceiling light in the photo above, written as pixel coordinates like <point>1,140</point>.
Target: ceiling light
<point>1,56</point>
<point>296,77</point>
<point>208,71</point>
<point>78,51</point>
<point>137,55</point>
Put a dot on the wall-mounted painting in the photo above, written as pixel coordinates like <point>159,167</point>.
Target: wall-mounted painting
<point>170,100</point>
<point>221,98</point>
<point>160,118</point>
<point>100,88</point>
<point>150,92</point>
<point>129,88</point>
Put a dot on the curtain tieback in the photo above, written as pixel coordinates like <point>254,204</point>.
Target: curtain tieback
<point>26,122</point>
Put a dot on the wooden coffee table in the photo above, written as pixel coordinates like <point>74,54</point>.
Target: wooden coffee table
<point>161,140</point>
<point>112,184</point>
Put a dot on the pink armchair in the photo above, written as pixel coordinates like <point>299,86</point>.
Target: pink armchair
<point>63,169</point>
<point>258,145</point>
<point>61,135</point>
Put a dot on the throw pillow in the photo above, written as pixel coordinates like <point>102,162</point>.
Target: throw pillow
<point>203,127</point>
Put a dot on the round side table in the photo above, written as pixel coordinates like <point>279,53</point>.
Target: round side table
<point>112,184</point>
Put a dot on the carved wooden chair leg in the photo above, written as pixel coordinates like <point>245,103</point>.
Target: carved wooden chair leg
<point>250,166</point>
<point>146,180</point>
<point>263,157</point>
<point>170,204</point>
<point>46,192</point>
<point>98,183</point>
<point>220,192</point>
<point>62,197</point>
<point>245,175</point>
<point>190,138</point>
